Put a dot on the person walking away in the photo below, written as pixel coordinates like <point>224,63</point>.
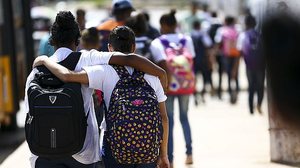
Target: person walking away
<point>186,25</point>
<point>136,120</point>
<point>249,45</point>
<point>121,10</point>
<point>65,35</point>
<point>227,36</point>
<point>216,53</point>
<point>180,73</point>
<point>90,40</point>
<point>152,32</point>
<point>202,62</point>
<point>139,26</point>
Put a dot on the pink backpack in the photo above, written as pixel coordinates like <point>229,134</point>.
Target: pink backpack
<point>230,36</point>
<point>180,64</point>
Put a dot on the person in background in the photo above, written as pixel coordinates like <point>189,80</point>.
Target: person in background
<point>216,53</point>
<point>249,45</point>
<point>202,61</point>
<point>152,32</point>
<point>90,40</point>
<point>44,47</point>
<point>121,10</point>
<point>226,37</point>
<point>161,57</point>
<point>139,25</point>
<point>80,18</point>
<point>186,25</point>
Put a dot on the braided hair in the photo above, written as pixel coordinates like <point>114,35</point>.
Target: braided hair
<point>64,30</point>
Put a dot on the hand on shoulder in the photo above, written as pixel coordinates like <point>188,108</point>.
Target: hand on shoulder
<point>40,60</point>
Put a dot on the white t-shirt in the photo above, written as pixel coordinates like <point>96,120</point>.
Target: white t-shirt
<point>240,41</point>
<point>158,50</point>
<point>90,152</point>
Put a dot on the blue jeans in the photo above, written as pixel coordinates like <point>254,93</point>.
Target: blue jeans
<point>110,162</point>
<point>68,162</point>
<point>183,109</point>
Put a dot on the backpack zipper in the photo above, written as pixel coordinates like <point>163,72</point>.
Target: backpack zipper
<point>30,118</point>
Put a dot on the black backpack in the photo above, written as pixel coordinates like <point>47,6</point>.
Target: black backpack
<point>56,122</point>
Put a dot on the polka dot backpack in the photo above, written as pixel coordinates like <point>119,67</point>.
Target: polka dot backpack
<point>134,127</point>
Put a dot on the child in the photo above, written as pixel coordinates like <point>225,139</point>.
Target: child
<point>65,38</point>
<point>105,78</point>
<point>178,89</point>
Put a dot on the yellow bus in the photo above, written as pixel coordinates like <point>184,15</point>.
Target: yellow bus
<point>16,56</point>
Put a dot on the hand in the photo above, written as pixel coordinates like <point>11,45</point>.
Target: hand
<point>40,60</point>
<point>163,162</point>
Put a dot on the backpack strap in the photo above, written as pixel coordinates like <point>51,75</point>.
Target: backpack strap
<point>139,76</point>
<point>182,41</point>
<point>121,71</point>
<point>71,61</point>
<point>164,41</point>
<point>45,78</point>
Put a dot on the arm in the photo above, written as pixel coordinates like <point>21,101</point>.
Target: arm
<point>164,161</point>
<point>61,72</point>
<point>163,65</point>
<point>142,64</point>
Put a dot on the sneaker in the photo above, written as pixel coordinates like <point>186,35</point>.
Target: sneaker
<point>189,159</point>
<point>259,109</point>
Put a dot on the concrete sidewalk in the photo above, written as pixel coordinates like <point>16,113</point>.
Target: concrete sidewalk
<point>224,136</point>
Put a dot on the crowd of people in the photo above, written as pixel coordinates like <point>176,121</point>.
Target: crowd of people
<point>188,50</point>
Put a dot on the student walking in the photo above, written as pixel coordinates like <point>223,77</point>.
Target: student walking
<point>139,25</point>
<point>227,37</point>
<point>136,122</point>
<point>215,25</point>
<point>249,45</point>
<point>65,37</point>
<point>202,61</point>
<point>174,52</point>
<point>121,10</point>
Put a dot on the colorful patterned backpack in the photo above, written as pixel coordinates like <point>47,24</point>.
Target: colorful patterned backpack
<point>134,127</point>
<point>180,64</point>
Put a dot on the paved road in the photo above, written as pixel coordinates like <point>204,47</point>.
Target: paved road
<point>224,135</point>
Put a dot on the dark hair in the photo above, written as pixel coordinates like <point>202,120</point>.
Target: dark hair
<point>214,14</point>
<point>195,3</point>
<point>121,38</point>
<point>146,14</point>
<point>229,20</point>
<point>196,24</point>
<point>169,19</point>
<point>90,36</point>
<point>80,12</point>
<point>64,30</point>
<point>250,21</point>
<point>138,24</point>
